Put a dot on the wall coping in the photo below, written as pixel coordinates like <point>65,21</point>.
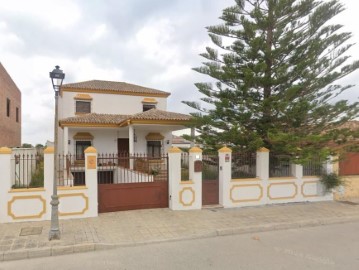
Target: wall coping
<point>90,150</point>
<point>174,149</point>
<point>49,150</point>
<point>263,149</point>
<point>5,150</point>
<point>225,149</point>
<point>195,149</point>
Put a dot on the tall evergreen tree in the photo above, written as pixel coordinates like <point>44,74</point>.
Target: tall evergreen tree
<point>275,72</point>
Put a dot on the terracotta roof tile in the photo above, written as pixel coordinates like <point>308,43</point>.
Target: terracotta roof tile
<point>117,119</point>
<point>113,86</point>
<point>95,118</point>
<point>155,114</point>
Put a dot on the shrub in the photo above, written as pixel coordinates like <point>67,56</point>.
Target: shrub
<point>37,178</point>
<point>330,181</point>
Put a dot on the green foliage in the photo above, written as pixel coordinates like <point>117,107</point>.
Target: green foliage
<point>331,181</point>
<point>37,177</point>
<point>26,145</point>
<point>275,71</point>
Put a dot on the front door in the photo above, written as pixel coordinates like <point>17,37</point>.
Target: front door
<point>123,146</point>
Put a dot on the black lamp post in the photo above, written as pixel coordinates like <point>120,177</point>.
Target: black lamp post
<point>57,77</point>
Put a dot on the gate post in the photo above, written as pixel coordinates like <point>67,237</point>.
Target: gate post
<point>225,175</point>
<point>262,171</point>
<point>195,154</point>
<point>5,180</point>
<point>174,177</point>
<point>91,180</point>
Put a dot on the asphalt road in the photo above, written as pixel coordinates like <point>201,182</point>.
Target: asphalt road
<point>324,247</point>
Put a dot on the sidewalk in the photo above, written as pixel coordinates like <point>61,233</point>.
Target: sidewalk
<point>111,230</point>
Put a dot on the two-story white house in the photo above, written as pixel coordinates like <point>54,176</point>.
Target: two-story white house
<point>115,117</point>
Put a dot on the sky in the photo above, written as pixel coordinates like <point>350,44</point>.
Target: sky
<point>153,43</point>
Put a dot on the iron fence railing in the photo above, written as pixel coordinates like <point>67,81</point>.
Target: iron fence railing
<point>70,171</point>
<point>210,170</point>
<point>137,168</point>
<point>279,165</point>
<point>244,165</point>
<point>27,171</point>
<point>315,166</point>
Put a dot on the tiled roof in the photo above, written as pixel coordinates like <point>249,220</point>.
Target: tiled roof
<point>179,140</point>
<point>155,114</point>
<point>117,119</point>
<point>113,86</point>
<point>95,118</point>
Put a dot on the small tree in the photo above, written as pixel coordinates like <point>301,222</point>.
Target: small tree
<point>26,145</point>
<point>275,73</point>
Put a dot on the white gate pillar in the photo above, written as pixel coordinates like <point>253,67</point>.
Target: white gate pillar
<point>91,180</point>
<point>174,177</point>
<point>5,180</point>
<point>225,175</point>
<point>195,155</point>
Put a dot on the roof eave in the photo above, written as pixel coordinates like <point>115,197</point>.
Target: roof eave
<point>114,92</point>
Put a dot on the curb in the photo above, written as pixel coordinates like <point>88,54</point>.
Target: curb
<point>88,247</point>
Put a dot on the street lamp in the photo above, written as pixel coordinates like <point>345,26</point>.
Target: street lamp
<point>57,77</point>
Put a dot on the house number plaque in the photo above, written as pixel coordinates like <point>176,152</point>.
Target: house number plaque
<point>91,162</point>
<point>198,166</point>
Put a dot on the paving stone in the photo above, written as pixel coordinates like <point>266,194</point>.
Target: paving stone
<point>15,255</point>
<point>61,250</point>
<point>146,226</point>
<point>84,247</point>
<point>39,252</point>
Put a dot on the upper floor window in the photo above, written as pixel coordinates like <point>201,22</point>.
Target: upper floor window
<point>82,103</point>
<point>147,107</point>
<point>83,106</point>
<point>17,115</point>
<point>8,107</point>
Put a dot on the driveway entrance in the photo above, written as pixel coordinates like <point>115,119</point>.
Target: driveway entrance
<point>144,186</point>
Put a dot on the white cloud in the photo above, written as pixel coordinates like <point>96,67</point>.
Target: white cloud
<point>59,14</point>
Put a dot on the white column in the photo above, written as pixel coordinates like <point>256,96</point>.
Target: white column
<point>91,180</point>
<point>174,177</point>
<point>66,141</point>
<point>329,166</point>
<point>297,170</point>
<point>262,171</point>
<point>262,167</point>
<point>195,154</point>
<point>225,175</point>
<point>131,144</point>
<point>5,180</point>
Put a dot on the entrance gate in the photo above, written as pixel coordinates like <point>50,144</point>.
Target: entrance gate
<point>132,182</point>
<point>210,181</point>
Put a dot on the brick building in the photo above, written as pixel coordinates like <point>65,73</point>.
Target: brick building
<point>10,111</point>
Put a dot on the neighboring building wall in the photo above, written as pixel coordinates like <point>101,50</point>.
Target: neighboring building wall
<point>349,172</point>
<point>10,126</point>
